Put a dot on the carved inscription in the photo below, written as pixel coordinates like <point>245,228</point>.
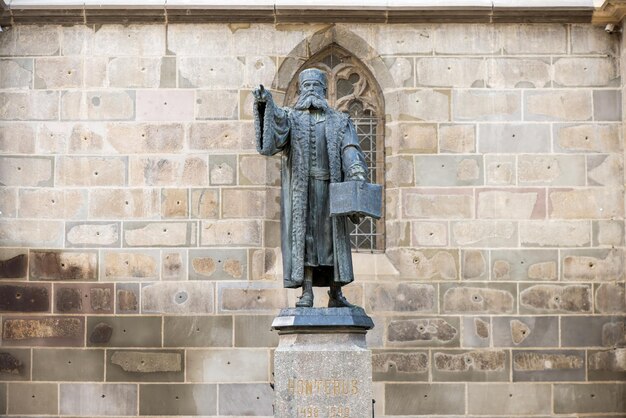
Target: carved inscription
<point>308,391</point>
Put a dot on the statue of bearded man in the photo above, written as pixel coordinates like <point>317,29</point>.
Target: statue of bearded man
<point>319,146</point>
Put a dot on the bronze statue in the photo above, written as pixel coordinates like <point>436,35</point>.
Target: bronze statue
<point>319,146</point>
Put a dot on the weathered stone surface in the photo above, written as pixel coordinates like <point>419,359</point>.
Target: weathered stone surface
<point>198,331</point>
<point>222,170</point>
<point>457,138</point>
<point>476,331</point>
<point>127,299</point>
<point>205,203</point>
<point>254,331</point>
<point>13,263</point>
<point>401,70</point>
<point>245,399</point>
<point>590,398</point>
<point>177,297</point>
<point>424,399</point>
<point>451,72</point>
<point>588,39</point>
<point>427,264</point>
<point>123,203</point>
<point>600,331</point>
<point>174,203</point>
<point>145,366</point>
<point>498,299</point>
<point>548,365</point>
<point>397,234</point>
<point>478,105</point>
<point>610,298</point>
<point>585,72</point>
<point>518,73</point>
<point>92,234</point>
<point>218,264</point>
<point>98,105</point>
<point>437,203</point>
<point>525,331</point>
<point>92,171</point>
<point>500,170</point>
<point>478,365</point>
<point>30,40</point>
<point>216,136</point>
<point>178,399</point>
<point>509,399</point>
<point>47,331</point>
<point>214,72</point>
<point>165,105</point>
<point>15,364</point>
<point>58,73</point>
<point>31,233</point>
<point>71,365</point>
<point>551,170</point>
<point>558,105</point>
<point>133,72</point>
<point>598,203</point>
<point>124,331</point>
<point>417,332</point>
<point>84,298</point>
<point>175,171</point>
<point>604,170</point>
<point>231,233</point>
<point>544,298</point>
<point>522,265</point>
<point>25,297</point>
<point>205,104</point>
<point>607,105</point>
<point>484,233</point>
<point>421,105</point>
<point>227,365</point>
<point>33,105</point>
<point>173,265</point>
<point>129,40</point>
<point>52,203</point>
<point>400,297</point>
<point>474,265</point>
<point>513,138</point>
<point>591,265</point>
<point>246,298</point>
<point>159,234</point>
<point>411,138</point>
<point>534,39</point>
<point>16,73</point>
<point>26,171</point>
<point>17,138</point>
<point>250,203</point>
<point>8,202</point>
<point>424,234</point>
<point>94,399</point>
<point>511,204</point>
<point>555,233</point>
<point>607,364</point>
<point>130,265</point>
<point>63,265</point>
<point>145,138</point>
<point>399,366</point>
<point>259,170</point>
<point>33,398</point>
<point>463,170</point>
<point>467,39</point>
<point>595,137</point>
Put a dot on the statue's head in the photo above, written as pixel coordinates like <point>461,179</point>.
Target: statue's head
<point>312,87</point>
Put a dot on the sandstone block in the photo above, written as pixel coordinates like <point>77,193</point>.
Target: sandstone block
<point>222,169</point>
<point>43,331</point>
<point>178,399</point>
<point>513,204</point>
<point>92,399</point>
<point>124,331</point>
<point>412,138</point>
<point>71,138</point>
<point>15,364</point>
<point>607,364</point>
<point>107,203</point>
<point>13,263</point>
<point>525,331</point>
<point>557,105</point>
<point>187,39</point>
<point>401,297</point>
<point>498,299</point>
<point>465,170</point>
<point>609,298</point>
<point>513,138</point>
<point>555,233</point>
<point>165,105</point>
<point>231,233</point>
<point>400,366</point>
<point>145,366</point>
<point>544,298</point>
<point>130,265</point>
<point>518,73</point>
<point>68,365</point>
<point>174,203</point>
<point>98,105</point>
<point>451,72</point>
<point>467,39</point>
<point>25,297</point>
<point>228,108</point>
<point>227,365</point>
<point>96,72</point>
<point>401,70</point>
<point>508,398</point>
<point>218,264</point>
<point>17,138</point>
<point>477,365</point>
<point>587,138</point>
<point>198,331</point>
<point>399,171</point>
<point>425,264</point>
<point>245,399</point>
<point>141,72</point>
<point>159,234</point>
<point>254,331</point>
<point>484,233</point>
<point>534,39</point>
<point>524,265</point>
<point>476,331</point>
<point>592,40</point>
<point>592,265</point>
<point>52,203</point>
<point>33,105</point>
<point>264,264</point>
<point>428,234</point>
<point>589,398</point>
<point>601,331</point>
<point>500,170</point>
<point>457,138</point>
<point>92,171</point>
<point>220,72</point>
<point>127,298</point>
<point>260,70</point>
<point>92,234</point>
<point>58,73</point>
<point>259,170</point>
<point>131,40</point>
<point>31,233</point>
<point>608,233</point>
<point>419,332</point>
<point>605,170</point>
<point>247,298</point>
<point>16,73</point>
<point>392,202</point>
<point>585,72</point>
<point>84,298</point>
<point>471,105</point>
<point>422,105</point>
<point>174,265</point>
<point>548,365</point>
<point>33,398</point>
<point>8,202</point>
<point>598,203</point>
<point>175,171</point>
<point>250,203</point>
<point>63,265</point>
<point>26,171</point>
<point>438,203</point>
<point>145,138</point>
<point>607,105</point>
<point>77,40</point>
<point>205,203</point>
<point>177,298</point>
<point>30,40</point>
<point>424,399</point>
<point>541,170</point>
<point>403,39</point>
<point>474,265</point>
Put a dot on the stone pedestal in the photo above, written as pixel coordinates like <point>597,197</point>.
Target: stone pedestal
<point>322,367</point>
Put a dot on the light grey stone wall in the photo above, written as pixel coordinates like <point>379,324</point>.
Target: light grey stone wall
<point>140,270</point>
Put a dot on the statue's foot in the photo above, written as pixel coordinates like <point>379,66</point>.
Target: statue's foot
<point>306,300</point>
<point>338,300</point>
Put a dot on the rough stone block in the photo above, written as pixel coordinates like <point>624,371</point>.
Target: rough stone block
<point>63,265</point>
<point>457,138</point>
<point>177,298</point>
<point>159,234</point>
<point>513,138</point>
<point>254,331</point>
<point>198,331</point>
<point>216,136</point>
<point>524,265</point>
<point>466,170</point>
<point>259,170</point>
<point>420,105</point>
<point>145,138</point>
<point>549,298</point>
<point>70,365</point>
<point>425,234</point>
<point>555,233</point>
<point>227,365</point>
<point>518,73</point>
<point>124,331</point>
<point>588,39</point>
<point>127,298</point>
<point>175,203</point>
<point>495,299</point>
<point>205,203</point>
<point>474,265</point>
<point>130,265</point>
<point>548,365</point>
<point>467,39</point>
<point>30,40</point>
<point>411,138</point>
<point>587,138</point>
<point>404,39</point>
<point>593,265</point>
<point>95,72</point>
<point>25,297</point>
<point>32,105</point>
<point>438,203</point>
<point>500,170</point>
<point>13,263</point>
<point>473,366</point>
<point>92,234</point>
<point>14,365</point>
<point>27,171</point>
<point>52,203</point>
<point>94,399</point>
<point>525,331</point>
<point>206,100</point>
<point>218,264</point>
<point>423,332</point>
<point>401,70</point>
<point>510,204</point>
<point>598,203</point>
<point>17,138</point>
<point>58,73</point>
<point>425,264</point>
<point>123,203</point>
<point>424,399</point>
<point>98,105</point>
<point>174,171</point>
<point>246,399</point>
<point>605,170</point>
<point>222,170</point>
<point>509,399</point>
<point>33,398</point>
<point>219,72</point>
<point>589,398</point>
<point>476,331</point>
<point>607,105</point>
<point>251,203</point>
<point>8,202</point>
<point>188,39</point>
<point>92,171</point>
<point>45,331</point>
<point>80,138</point>
<point>399,171</point>
<point>540,170</point>
<point>231,233</point>
<point>534,39</point>
<point>145,366</point>
<point>400,297</point>
<point>31,233</point>
<point>182,399</point>
<point>16,73</point>
<point>557,105</point>
<point>141,72</point>
<point>607,364</point>
<point>478,105</point>
<point>249,298</point>
<point>173,265</point>
<point>131,40</point>
<point>84,298</point>
<point>585,72</point>
<point>600,331</point>
<point>610,298</point>
<point>165,105</point>
<point>484,233</point>
<point>451,72</point>
<point>400,366</point>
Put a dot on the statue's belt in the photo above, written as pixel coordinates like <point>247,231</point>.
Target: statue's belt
<point>319,174</point>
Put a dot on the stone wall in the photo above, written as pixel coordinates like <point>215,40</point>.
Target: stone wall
<point>140,268</point>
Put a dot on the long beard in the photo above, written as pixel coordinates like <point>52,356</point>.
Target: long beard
<point>307,101</point>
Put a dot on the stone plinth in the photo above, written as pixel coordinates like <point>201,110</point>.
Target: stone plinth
<point>322,367</point>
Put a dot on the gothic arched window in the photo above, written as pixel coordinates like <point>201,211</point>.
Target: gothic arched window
<point>352,89</point>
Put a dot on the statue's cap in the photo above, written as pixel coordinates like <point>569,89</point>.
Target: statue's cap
<point>312,74</point>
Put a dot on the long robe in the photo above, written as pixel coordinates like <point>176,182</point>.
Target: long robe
<point>294,132</point>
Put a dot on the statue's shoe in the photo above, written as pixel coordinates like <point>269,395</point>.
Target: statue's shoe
<point>306,301</point>
<point>338,301</point>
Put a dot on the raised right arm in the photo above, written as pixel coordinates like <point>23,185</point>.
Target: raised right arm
<point>271,123</point>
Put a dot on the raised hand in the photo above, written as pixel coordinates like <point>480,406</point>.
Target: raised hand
<point>261,95</point>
